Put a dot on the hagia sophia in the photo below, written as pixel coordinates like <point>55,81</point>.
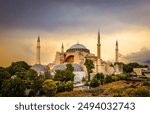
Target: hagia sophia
<point>76,55</point>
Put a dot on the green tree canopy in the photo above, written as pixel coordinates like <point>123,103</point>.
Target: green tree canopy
<point>100,76</point>
<point>94,82</point>
<point>108,79</point>
<point>69,67</point>
<point>49,87</point>
<point>65,75</point>
<point>18,67</point>
<point>4,74</point>
<point>89,66</point>
<point>13,88</point>
<point>33,81</point>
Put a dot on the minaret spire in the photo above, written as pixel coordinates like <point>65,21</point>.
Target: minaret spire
<point>38,51</point>
<point>98,46</point>
<point>117,50</point>
<point>62,48</point>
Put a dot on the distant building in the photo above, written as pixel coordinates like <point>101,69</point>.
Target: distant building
<point>146,73</point>
<point>142,72</point>
<point>139,71</point>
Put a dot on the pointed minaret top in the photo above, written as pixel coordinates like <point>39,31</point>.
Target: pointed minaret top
<point>98,36</point>
<point>117,42</point>
<point>62,46</point>
<point>38,38</point>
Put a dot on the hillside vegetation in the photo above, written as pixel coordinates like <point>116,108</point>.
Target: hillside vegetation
<point>120,88</point>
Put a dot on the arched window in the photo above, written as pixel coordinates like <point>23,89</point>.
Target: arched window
<point>70,59</point>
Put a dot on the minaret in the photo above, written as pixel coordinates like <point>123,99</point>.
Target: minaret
<point>98,46</point>
<point>62,48</point>
<point>116,52</point>
<point>99,61</point>
<point>38,51</point>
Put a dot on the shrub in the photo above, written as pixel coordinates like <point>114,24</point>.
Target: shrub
<point>94,82</point>
<point>69,86</point>
<point>146,84</point>
<point>124,76</point>
<point>115,78</point>
<point>86,84</point>
<point>117,92</point>
<point>100,77</point>
<point>49,87</point>
<point>141,92</point>
<point>60,86</point>
<point>132,86</point>
<point>108,79</point>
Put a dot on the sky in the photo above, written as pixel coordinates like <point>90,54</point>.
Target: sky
<point>72,21</point>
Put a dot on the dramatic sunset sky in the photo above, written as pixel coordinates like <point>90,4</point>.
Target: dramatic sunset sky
<point>70,21</point>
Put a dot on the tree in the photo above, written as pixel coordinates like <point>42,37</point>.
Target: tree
<point>69,67</point>
<point>4,74</point>
<point>17,67</point>
<point>89,66</point>
<point>59,75</point>
<point>94,82</point>
<point>100,76</point>
<point>21,73</point>
<point>65,75</point>
<point>69,76</point>
<point>49,87</point>
<point>69,73</point>
<point>34,82</point>
<point>13,88</point>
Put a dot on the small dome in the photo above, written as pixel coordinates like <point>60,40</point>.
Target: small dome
<point>39,68</point>
<point>78,47</point>
<point>90,55</point>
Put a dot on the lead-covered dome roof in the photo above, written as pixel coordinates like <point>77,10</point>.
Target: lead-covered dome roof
<point>39,68</point>
<point>78,47</point>
<point>76,67</point>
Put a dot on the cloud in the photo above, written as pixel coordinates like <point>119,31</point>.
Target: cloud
<point>69,15</point>
<point>69,21</point>
<point>142,56</point>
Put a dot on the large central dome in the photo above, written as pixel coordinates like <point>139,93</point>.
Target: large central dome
<point>78,47</point>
